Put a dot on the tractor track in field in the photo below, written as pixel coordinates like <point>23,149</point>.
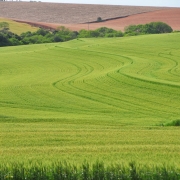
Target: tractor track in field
<point>73,88</point>
<point>112,78</point>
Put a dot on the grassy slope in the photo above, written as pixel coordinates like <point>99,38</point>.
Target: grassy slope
<point>91,98</point>
<point>17,27</point>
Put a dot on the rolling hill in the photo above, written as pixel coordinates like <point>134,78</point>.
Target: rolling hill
<point>91,99</point>
<point>121,77</point>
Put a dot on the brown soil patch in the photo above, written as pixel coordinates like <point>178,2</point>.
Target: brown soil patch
<point>66,13</point>
<point>76,16</point>
<point>170,16</point>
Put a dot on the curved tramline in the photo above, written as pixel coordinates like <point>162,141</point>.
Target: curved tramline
<point>89,99</point>
<point>117,78</point>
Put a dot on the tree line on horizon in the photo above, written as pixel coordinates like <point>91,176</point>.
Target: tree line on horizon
<point>62,34</point>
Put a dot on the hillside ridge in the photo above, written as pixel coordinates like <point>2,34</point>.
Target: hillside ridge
<point>64,13</point>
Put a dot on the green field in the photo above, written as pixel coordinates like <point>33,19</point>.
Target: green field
<point>17,27</point>
<point>91,99</point>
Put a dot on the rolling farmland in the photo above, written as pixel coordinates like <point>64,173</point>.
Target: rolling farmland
<point>91,99</point>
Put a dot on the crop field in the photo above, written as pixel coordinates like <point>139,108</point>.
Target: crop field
<point>18,28</point>
<point>88,99</point>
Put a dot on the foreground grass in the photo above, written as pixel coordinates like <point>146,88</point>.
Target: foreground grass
<point>96,171</point>
<point>91,99</point>
<point>75,141</point>
<point>18,28</point>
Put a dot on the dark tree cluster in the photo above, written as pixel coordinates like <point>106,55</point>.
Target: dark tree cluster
<point>100,32</point>
<point>7,38</point>
<point>151,28</point>
<point>62,34</point>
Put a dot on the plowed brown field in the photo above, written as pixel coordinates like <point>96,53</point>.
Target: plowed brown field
<point>170,16</point>
<point>76,16</point>
<point>66,13</point>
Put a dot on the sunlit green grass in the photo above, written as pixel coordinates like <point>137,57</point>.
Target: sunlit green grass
<point>17,27</point>
<point>91,99</point>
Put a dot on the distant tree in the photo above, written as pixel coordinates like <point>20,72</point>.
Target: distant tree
<point>159,27</point>
<point>151,28</point>
<point>83,34</point>
<point>42,32</point>
<point>119,34</point>
<point>57,38</point>
<point>4,41</point>
<point>75,34</point>
<point>14,42</point>
<point>100,32</point>
<point>99,19</point>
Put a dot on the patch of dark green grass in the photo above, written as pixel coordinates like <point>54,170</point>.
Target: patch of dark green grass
<point>5,117</point>
<point>174,123</point>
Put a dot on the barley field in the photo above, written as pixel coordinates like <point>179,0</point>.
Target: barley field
<point>91,99</point>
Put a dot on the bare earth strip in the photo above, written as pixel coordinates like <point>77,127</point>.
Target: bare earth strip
<point>63,13</point>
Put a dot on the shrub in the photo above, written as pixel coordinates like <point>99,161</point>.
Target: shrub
<point>151,28</point>
<point>100,32</point>
<point>4,41</point>
<point>174,123</point>
<point>158,27</point>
